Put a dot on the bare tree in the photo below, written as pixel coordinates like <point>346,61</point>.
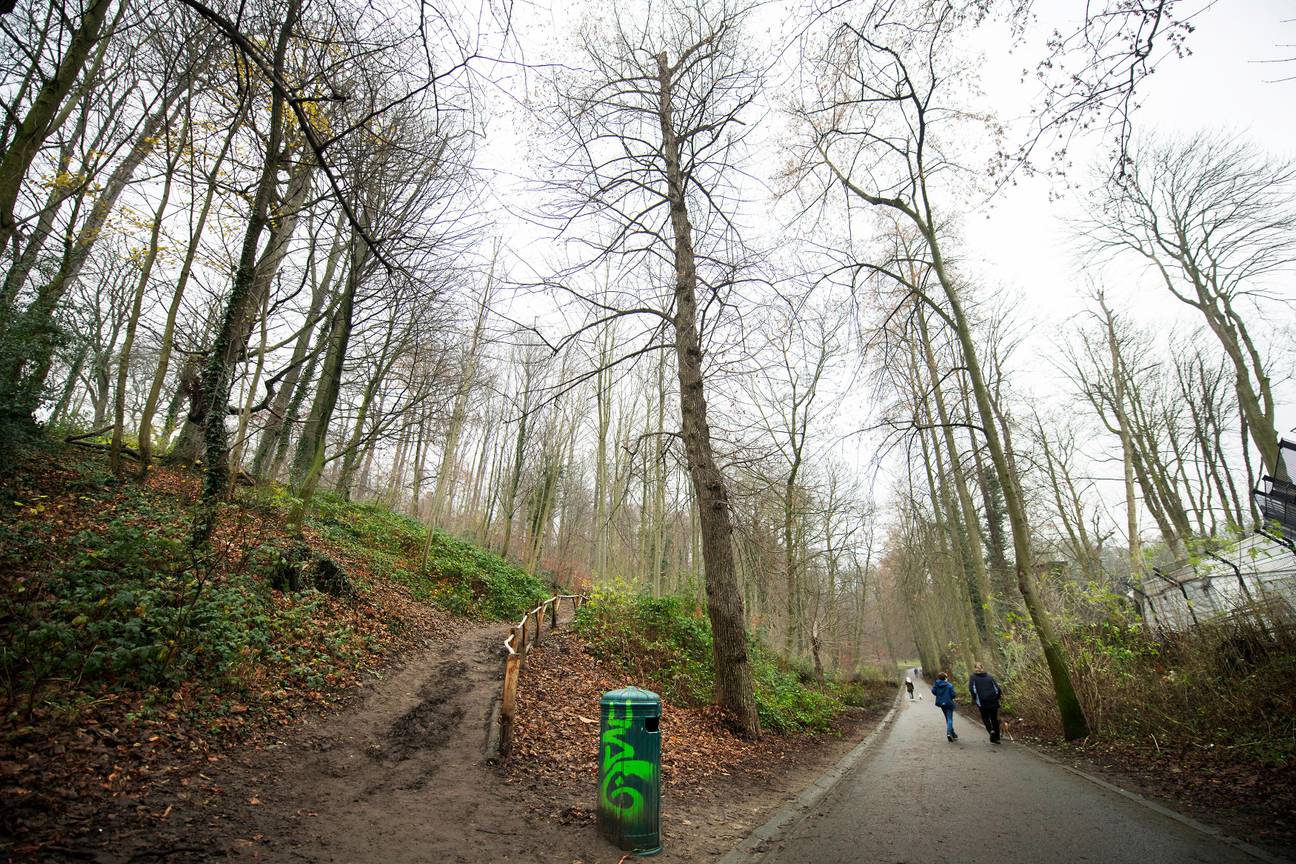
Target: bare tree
<point>874,130</point>
<point>650,136</point>
<point>1091,73</point>
<point>1215,222</point>
<point>790,400</point>
<point>45,114</point>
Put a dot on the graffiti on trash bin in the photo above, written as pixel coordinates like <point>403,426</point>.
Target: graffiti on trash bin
<point>621,769</point>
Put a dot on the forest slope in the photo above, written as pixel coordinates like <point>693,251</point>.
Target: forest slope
<point>126,659</point>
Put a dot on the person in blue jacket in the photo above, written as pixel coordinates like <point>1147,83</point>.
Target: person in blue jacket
<point>944,693</point>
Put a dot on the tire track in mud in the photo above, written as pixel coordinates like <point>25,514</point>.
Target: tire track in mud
<point>401,777</point>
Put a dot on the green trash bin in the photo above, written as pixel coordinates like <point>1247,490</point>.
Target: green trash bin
<point>629,791</point>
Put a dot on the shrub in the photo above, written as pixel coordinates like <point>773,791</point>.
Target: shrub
<point>1219,686</point>
<point>480,583</point>
<point>784,701</point>
<point>130,605</point>
<point>664,643</point>
<point>869,689</point>
<point>459,576</point>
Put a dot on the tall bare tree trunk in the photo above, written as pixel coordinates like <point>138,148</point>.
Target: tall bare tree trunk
<point>39,315</point>
<point>459,413</point>
<point>173,310</point>
<point>308,464</point>
<point>724,600</point>
<point>137,302</point>
<point>1074,724</point>
<point>978,584</point>
<point>234,328</point>
<point>277,426</point>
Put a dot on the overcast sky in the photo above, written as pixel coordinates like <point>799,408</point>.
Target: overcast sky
<point>1022,239</point>
<point>1022,236</point>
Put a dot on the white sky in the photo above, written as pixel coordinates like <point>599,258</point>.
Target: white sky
<point>1023,239</point>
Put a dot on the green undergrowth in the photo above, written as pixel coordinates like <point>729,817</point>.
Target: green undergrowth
<point>102,597</point>
<point>1222,688</point>
<point>460,577</point>
<point>664,644</point>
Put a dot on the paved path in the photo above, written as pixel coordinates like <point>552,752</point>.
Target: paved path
<point>917,798</point>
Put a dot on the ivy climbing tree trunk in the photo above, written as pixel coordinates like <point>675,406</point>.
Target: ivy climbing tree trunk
<point>240,306</point>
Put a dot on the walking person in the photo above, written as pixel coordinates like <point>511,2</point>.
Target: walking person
<point>985,692</point>
<point>909,686</point>
<point>944,693</point>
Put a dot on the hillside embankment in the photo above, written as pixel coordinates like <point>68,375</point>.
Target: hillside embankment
<point>308,697</point>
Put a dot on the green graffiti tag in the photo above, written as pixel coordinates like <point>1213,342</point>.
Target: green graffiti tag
<point>620,766</point>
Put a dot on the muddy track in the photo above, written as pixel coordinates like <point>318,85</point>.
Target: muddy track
<point>399,776</point>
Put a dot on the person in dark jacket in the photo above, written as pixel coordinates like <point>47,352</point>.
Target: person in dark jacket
<point>944,693</point>
<point>985,692</point>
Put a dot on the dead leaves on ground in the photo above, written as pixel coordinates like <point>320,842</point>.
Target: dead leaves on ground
<point>90,754</point>
<point>1252,801</point>
<point>556,738</point>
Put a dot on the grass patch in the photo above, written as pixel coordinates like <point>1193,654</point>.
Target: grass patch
<point>459,577</point>
<point>664,643</point>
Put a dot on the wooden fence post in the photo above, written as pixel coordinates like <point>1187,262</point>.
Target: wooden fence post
<point>520,645</point>
<point>508,703</point>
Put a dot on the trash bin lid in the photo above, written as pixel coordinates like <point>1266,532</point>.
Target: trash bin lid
<point>633,695</point>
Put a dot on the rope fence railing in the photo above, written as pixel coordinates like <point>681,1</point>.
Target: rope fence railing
<point>524,636</point>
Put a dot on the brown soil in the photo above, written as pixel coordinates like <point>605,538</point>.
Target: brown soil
<point>717,788</point>
<point>1260,808</point>
<point>84,761</point>
<point>400,776</point>
<point>700,823</point>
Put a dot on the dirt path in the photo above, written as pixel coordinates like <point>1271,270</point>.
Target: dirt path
<point>400,776</point>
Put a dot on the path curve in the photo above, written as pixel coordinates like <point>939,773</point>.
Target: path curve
<point>401,776</point>
<point>918,798</point>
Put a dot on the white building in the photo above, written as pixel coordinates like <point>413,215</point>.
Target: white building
<point>1259,568</point>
